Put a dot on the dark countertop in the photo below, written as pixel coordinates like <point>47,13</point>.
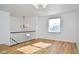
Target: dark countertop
<point>22,31</point>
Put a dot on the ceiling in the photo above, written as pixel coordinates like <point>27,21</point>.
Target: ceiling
<point>30,10</point>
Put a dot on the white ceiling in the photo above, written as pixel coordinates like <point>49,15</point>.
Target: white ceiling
<point>30,10</point>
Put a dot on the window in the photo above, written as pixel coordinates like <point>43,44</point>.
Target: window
<point>54,25</point>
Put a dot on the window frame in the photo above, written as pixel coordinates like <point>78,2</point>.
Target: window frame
<point>48,25</point>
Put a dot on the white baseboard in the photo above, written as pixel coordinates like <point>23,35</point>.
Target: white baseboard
<point>58,40</point>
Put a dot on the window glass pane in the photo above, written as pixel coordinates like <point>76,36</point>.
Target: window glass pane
<point>54,25</point>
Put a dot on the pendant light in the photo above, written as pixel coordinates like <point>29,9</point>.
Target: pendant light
<point>23,26</point>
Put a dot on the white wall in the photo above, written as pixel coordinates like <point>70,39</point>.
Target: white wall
<point>77,26</point>
<point>15,24</point>
<point>68,28</point>
<point>4,28</point>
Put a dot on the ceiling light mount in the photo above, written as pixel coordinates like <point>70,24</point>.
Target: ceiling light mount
<point>40,6</point>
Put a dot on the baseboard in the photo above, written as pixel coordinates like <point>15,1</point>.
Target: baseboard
<point>58,40</point>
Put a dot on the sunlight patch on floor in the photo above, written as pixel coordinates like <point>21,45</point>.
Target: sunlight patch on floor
<point>34,47</point>
<point>42,44</point>
<point>28,49</point>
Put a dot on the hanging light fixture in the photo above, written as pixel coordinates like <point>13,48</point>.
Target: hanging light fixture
<point>40,6</point>
<point>23,26</point>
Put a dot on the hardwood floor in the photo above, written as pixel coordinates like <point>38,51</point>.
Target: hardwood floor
<point>56,47</point>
